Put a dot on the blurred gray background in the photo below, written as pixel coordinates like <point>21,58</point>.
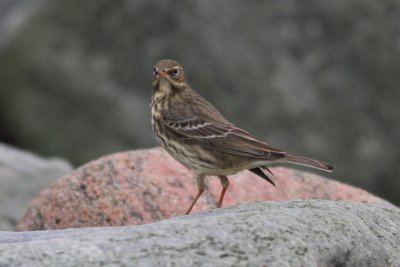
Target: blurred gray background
<point>319,78</point>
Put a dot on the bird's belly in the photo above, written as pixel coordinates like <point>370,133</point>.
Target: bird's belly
<point>200,161</point>
<point>193,158</point>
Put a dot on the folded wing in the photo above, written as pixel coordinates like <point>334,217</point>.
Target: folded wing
<point>216,133</point>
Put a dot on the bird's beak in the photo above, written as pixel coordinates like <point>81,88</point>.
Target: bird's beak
<point>162,73</point>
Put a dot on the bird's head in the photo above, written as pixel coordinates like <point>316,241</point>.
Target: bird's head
<point>168,75</point>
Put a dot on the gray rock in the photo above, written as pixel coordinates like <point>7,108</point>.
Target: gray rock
<point>320,78</point>
<point>294,233</point>
<point>13,14</point>
<point>22,176</point>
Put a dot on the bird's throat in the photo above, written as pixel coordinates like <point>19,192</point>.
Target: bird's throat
<point>161,91</point>
<point>164,86</point>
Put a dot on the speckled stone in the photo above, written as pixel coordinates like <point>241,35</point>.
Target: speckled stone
<point>312,233</point>
<point>146,186</point>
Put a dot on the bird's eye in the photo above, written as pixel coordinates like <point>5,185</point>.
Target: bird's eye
<point>155,71</point>
<point>174,72</point>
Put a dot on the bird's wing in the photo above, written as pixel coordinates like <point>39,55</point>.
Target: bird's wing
<point>204,125</point>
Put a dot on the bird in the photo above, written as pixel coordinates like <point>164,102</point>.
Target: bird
<point>198,136</point>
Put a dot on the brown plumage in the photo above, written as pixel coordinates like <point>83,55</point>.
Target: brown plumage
<point>197,135</point>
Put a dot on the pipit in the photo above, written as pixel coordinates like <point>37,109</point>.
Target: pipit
<point>196,134</point>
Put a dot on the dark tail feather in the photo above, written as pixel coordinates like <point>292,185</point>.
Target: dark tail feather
<point>266,176</point>
<point>308,162</point>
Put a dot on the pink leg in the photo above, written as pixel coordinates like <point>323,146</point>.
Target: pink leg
<point>200,186</point>
<point>225,184</point>
<point>194,201</point>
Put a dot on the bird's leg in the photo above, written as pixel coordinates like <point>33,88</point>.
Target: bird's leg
<point>225,183</point>
<point>201,187</point>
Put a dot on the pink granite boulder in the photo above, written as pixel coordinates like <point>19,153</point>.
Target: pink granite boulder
<point>146,186</point>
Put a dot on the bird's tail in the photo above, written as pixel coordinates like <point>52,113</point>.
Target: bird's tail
<point>308,162</point>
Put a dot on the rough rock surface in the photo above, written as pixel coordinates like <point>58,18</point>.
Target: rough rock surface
<point>22,176</point>
<point>145,186</point>
<point>290,233</point>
